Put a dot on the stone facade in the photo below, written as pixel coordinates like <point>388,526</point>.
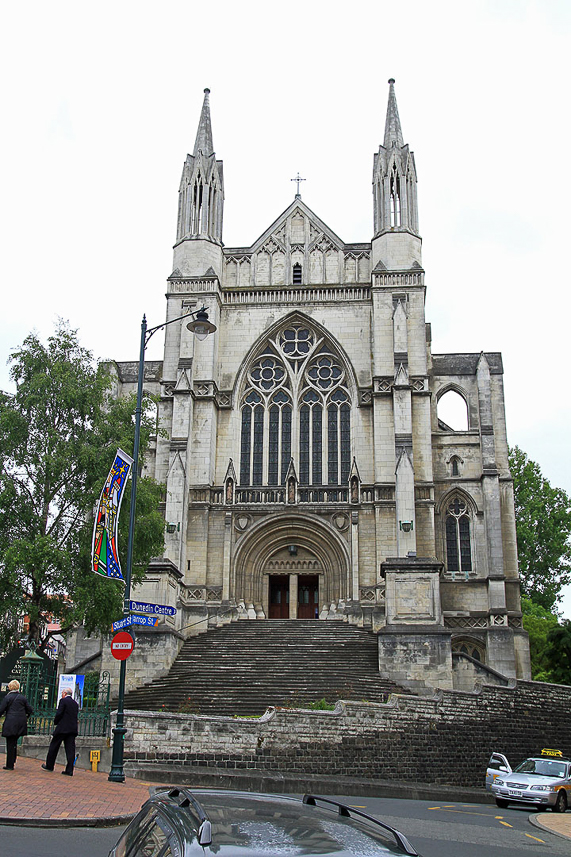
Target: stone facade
<point>308,470</point>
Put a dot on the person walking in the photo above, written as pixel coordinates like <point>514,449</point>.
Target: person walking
<point>17,710</point>
<point>66,724</point>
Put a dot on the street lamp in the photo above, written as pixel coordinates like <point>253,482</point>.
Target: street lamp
<point>201,328</point>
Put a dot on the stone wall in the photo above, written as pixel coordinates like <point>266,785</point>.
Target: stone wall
<point>444,739</point>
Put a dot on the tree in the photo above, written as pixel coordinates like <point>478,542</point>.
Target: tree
<point>59,433</point>
<point>539,623</point>
<point>559,652</point>
<point>543,523</point>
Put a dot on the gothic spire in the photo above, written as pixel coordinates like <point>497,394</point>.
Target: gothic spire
<point>204,142</point>
<point>393,131</point>
<point>394,194</point>
<point>201,191</point>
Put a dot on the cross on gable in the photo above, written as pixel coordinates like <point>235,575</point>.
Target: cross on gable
<point>297,179</point>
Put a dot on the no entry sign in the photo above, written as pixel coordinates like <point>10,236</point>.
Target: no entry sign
<point>122,645</point>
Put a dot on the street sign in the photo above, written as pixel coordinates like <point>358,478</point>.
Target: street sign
<point>157,609</point>
<point>122,645</point>
<point>146,621</point>
<point>122,623</point>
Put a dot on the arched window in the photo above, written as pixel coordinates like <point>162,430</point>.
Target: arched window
<point>395,198</point>
<point>452,412</point>
<point>458,541</point>
<point>296,404</point>
<point>469,647</point>
<point>297,274</point>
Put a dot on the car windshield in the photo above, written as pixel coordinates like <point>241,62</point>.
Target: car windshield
<point>541,768</point>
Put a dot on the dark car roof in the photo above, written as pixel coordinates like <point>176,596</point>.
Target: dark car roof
<point>245,824</point>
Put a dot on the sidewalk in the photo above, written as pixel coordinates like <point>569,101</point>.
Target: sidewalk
<point>30,796</point>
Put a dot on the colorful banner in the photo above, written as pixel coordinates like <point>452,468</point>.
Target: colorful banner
<point>104,554</point>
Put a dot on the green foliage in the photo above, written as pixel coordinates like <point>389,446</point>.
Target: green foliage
<point>543,522</point>
<point>59,433</point>
<point>187,706</point>
<point>559,652</point>
<point>320,705</point>
<point>539,622</point>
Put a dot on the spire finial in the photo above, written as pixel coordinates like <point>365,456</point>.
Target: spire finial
<point>393,131</point>
<point>204,134</point>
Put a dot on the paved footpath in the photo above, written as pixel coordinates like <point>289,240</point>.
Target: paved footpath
<point>31,796</point>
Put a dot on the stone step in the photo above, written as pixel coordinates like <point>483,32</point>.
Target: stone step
<point>244,667</point>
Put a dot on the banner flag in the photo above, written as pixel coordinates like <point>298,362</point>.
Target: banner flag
<point>104,554</point>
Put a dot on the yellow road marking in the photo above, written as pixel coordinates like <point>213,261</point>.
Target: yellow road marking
<point>357,806</point>
<point>506,824</point>
<point>535,837</point>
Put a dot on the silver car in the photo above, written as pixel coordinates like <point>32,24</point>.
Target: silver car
<point>543,780</point>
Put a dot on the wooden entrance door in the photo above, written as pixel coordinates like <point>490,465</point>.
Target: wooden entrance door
<point>279,596</point>
<point>308,596</point>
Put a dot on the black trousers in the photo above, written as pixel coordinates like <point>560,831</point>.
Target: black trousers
<point>55,744</point>
<point>11,750</point>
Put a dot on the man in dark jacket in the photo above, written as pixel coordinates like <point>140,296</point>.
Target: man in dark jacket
<point>66,729</point>
<point>17,710</point>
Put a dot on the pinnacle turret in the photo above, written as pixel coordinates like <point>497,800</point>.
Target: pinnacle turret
<point>393,130</point>
<point>394,190</point>
<point>201,192</point>
<point>204,142</point>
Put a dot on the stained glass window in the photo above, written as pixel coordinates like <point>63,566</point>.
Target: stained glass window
<point>296,368</point>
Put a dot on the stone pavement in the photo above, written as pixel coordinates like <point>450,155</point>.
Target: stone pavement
<point>30,796</point>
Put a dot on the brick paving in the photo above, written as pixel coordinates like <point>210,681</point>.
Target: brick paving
<point>29,795</point>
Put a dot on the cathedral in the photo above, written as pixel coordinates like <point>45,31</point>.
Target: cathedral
<point>309,471</point>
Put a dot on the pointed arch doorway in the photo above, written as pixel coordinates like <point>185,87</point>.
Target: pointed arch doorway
<point>291,567</point>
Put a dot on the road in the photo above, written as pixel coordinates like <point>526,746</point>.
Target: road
<point>463,829</point>
<point>436,830</point>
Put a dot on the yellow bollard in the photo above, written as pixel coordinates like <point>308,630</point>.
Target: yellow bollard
<point>94,758</point>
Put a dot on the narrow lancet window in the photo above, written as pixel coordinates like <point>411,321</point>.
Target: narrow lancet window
<point>458,545</point>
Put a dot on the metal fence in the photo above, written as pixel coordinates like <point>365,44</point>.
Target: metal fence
<point>40,686</point>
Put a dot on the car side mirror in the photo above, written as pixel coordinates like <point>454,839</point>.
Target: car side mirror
<point>205,833</point>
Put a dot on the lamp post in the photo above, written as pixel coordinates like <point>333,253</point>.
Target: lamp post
<point>201,328</point>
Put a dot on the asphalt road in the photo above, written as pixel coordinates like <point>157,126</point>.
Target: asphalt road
<point>463,829</point>
<point>436,830</point>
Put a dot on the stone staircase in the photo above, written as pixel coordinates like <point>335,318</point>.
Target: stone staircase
<point>244,667</point>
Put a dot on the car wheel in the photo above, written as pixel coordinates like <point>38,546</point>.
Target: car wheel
<point>560,804</point>
<point>503,804</point>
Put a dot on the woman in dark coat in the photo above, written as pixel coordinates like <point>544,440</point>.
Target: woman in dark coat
<point>17,710</point>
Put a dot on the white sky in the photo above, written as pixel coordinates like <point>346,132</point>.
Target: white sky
<point>101,102</point>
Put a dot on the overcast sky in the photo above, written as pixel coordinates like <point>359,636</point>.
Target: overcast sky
<point>101,102</point>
